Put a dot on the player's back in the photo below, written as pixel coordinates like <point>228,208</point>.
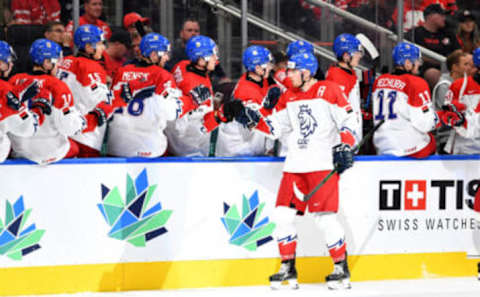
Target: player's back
<point>348,82</point>
<point>47,144</point>
<point>403,101</point>
<point>142,114</point>
<point>86,79</point>
<point>137,130</point>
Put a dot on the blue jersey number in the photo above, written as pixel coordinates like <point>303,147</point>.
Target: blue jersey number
<point>390,100</point>
<point>134,108</point>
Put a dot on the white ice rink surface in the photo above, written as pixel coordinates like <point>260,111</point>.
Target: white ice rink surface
<point>445,287</point>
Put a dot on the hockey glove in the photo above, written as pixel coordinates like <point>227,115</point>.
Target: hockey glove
<point>227,112</point>
<point>126,93</point>
<point>201,94</point>
<point>248,117</point>
<point>451,119</point>
<point>30,92</point>
<point>452,115</point>
<point>13,102</point>
<point>342,157</point>
<point>272,97</point>
<point>41,103</point>
<point>100,115</point>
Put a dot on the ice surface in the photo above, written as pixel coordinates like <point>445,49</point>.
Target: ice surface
<point>443,287</point>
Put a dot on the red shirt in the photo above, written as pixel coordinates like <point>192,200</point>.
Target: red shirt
<point>35,11</point>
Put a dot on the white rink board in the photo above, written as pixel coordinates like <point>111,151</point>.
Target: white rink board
<point>64,197</point>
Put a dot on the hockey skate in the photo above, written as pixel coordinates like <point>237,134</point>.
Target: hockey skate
<point>340,277</point>
<point>287,273</point>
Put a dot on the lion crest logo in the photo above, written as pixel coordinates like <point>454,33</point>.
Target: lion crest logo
<point>307,122</point>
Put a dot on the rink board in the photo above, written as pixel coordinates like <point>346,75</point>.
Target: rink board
<point>403,219</point>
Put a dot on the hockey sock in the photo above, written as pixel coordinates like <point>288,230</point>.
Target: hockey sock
<point>285,232</point>
<point>334,235</point>
<point>287,247</point>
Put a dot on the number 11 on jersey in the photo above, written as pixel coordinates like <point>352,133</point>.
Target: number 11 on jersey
<point>383,105</point>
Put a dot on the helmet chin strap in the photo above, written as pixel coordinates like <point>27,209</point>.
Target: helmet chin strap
<point>304,81</point>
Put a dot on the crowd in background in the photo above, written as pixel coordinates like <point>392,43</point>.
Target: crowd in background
<point>447,27</point>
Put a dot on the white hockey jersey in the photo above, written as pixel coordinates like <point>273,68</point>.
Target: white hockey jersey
<point>465,139</point>
<point>15,120</point>
<point>138,129</point>
<point>315,121</point>
<point>403,100</point>
<point>187,136</point>
<point>88,82</point>
<point>233,138</point>
<point>50,143</point>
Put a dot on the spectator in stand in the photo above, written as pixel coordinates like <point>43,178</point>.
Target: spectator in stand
<point>41,12</point>
<point>136,39</point>
<point>115,54</point>
<point>55,31</point>
<point>468,35</point>
<point>450,6</point>
<point>131,18</point>
<point>458,65</point>
<point>413,15</point>
<point>434,36</point>
<point>190,28</point>
<point>93,11</point>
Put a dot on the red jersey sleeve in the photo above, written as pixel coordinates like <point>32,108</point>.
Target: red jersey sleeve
<point>419,93</point>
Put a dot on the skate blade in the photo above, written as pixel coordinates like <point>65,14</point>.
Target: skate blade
<point>290,284</point>
<point>343,284</point>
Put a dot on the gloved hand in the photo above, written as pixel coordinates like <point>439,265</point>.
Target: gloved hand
<point>228,111</point>
<point>342,157</point>
<point>13,102</point>
<point>102,112</point>
<point>30,91</point>
<point>201,94</point>
<point>272,97</point>
<point>248,117</point>
<point>126,93</point>
<point>41,103</point>
<point>451,119</point>
<point>452,115</point>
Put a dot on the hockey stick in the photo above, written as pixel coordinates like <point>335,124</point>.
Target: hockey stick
<point>355,150</point>
<point>368,45</point>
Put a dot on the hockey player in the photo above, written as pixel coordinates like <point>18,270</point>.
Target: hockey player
<point>187,136</point>
<point>54,103</point>
<point>319,121</point>
<point>349,51</point>
<point>137,130</point>
<point>293,48</point>
<point>15,118</point>
<point>403,100</point>
<point>87,79</point>
<point>254,91</point>
<point>465,94</point>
